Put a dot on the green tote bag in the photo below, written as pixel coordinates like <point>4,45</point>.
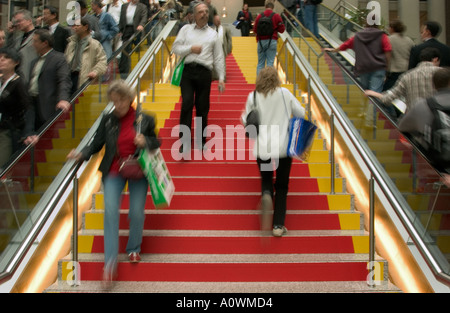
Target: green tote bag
<point>178,73</point>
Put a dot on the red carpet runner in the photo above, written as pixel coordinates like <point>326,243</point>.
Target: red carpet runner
<point>211,232</point>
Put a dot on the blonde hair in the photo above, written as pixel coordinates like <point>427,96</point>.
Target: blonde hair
<point>122,89</point>
<point>267,81</point>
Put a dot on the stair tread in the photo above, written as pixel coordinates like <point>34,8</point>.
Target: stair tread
<point>232,233</point>
<point>232,258</point>
<point>229,287</point>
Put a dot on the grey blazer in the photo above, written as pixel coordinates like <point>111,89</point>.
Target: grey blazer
<point>140,16</point>
<point>54,83</point>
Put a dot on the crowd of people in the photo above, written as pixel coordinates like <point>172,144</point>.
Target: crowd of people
<point>42,67</point>
<point>50,61</point>
<point>391,68</point>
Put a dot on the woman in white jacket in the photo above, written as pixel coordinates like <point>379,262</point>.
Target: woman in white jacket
<point>276,105</point>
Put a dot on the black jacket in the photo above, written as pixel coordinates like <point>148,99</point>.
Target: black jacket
<point>107,135</point>
<point>414,57</point>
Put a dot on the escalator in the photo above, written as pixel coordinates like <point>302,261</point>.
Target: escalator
<point>407,168</point>
<point>33,183</point>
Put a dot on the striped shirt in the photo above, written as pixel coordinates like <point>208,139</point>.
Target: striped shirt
<point>212,52</point>
<point>413,85</point>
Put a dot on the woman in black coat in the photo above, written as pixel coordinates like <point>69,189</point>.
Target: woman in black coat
<point>123,133</point>
<point>14,103</point>
<point>245,16</point>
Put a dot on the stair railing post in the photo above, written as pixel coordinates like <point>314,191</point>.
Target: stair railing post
<point>294,73</point>
<point>75,265</point>
<point>154,78</point>
<point>333,174</point>
<point>286,63</point>
<point>308,110</point>
<point>370,281</point>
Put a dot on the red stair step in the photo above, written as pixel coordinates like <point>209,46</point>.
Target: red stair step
<point>235,202</point>
<point>204,221</point>
<point>236,245</point>
<point>224,184</point>
<point>231,272</point>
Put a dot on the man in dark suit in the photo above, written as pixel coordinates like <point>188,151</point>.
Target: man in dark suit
<point>59,32</point>
<point>128,27</point>
<point>429,32</point>
<point>50,82</point>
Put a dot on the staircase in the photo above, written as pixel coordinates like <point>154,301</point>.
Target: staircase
<point>209,240</point>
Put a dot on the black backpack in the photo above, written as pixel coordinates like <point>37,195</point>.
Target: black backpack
<point>265,25</point>
<point>439,134</point>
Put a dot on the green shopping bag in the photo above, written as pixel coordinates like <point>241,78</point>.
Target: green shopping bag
<point>155,169</point>
<point>178,73</point>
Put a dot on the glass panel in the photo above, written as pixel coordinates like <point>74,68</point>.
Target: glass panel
<point>27,176</point>
<point>340,26</point>
<point>413,176</point>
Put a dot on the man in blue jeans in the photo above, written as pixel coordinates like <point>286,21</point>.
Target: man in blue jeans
<point>267,45</point>
<point>310,16</point>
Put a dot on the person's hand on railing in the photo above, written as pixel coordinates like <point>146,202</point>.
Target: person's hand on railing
<point>31,140</point>
<point>371,93</point>
<point>63,105</point>
<point>75,155</point>
<point>92,75</point>
<point>140,28</point>
<point>446,180</point>
<point>331,50</point>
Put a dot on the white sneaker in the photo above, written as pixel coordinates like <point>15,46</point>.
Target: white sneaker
<point>279,231</point>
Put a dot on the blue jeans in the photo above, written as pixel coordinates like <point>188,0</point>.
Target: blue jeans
<point>267,50</point>
<point>310,16</point>
<point>113,186</point>
<point>373,80</point>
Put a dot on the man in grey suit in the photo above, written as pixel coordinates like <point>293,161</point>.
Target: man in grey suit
<point>50,82</point>
<point>128,27</point>
<point>23,23</point>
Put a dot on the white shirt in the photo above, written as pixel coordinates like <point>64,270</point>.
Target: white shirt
<point>273,137</point>
<point>52,28</point>
<point>212,52</point>
<point>114,10</point>
<point>130,13</point>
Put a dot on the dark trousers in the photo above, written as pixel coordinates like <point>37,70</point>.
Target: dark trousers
<point>280,188</point>
<point>74,77</point>
<point>195,91</point>
<point>245,28</point>
<point>125,59</point>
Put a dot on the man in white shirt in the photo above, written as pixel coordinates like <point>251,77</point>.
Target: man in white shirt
<point>200,46</point>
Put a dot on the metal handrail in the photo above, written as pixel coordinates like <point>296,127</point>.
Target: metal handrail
<point>62,182</point>
<point>56,116</point>
<point>376,102</point>
<point>377,173</point>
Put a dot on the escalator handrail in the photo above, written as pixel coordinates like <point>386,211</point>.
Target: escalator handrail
<point>341,16</point>
<point>62,183</point>
<point>386,185</point>
<point>290,17</point>
<point>376,102</point>
<point>17,156</point>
